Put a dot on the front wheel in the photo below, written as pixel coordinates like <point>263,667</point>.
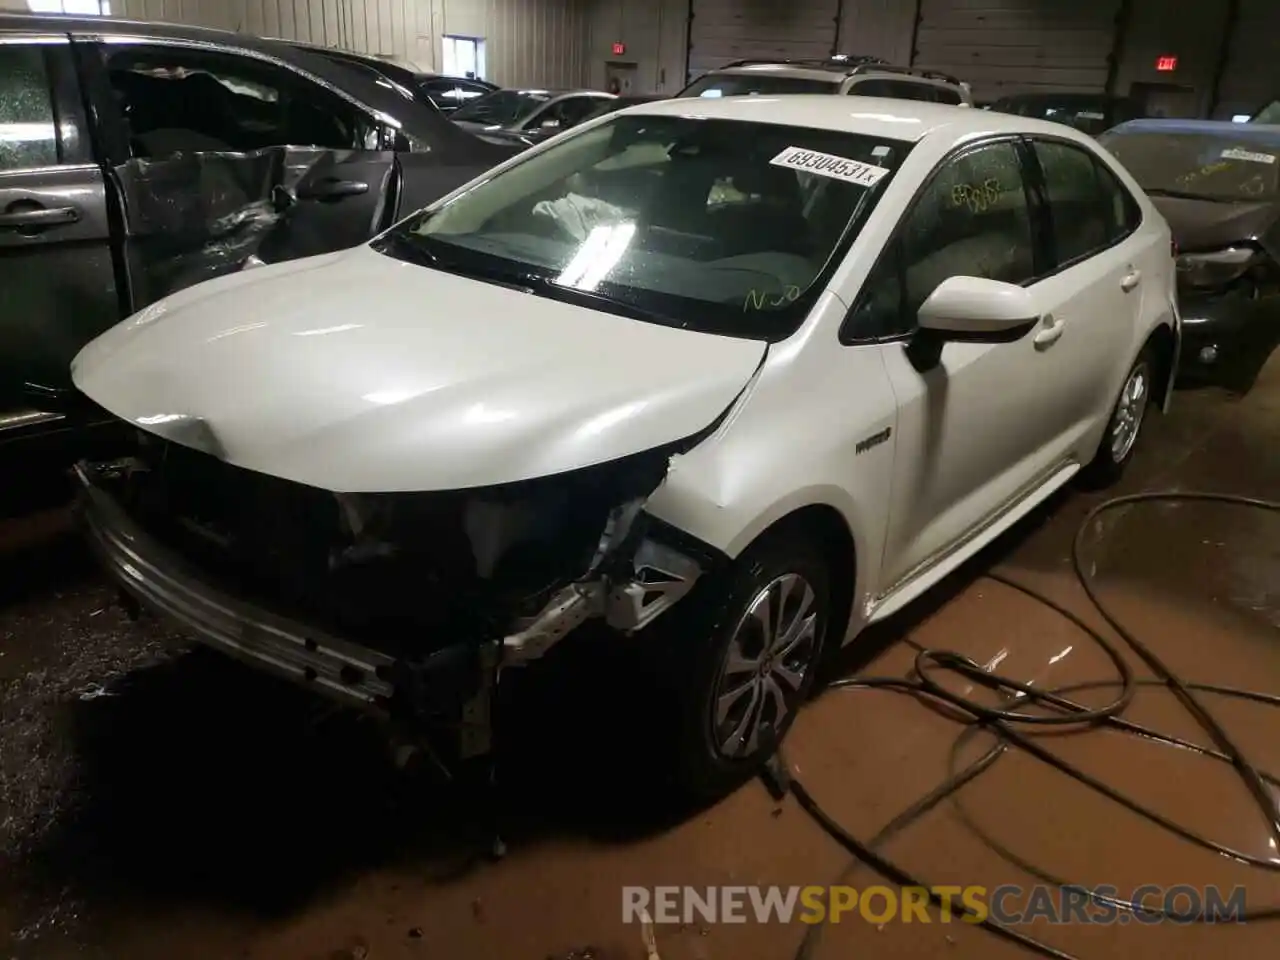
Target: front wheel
<point>741,661</point>
<point>1127,417</point>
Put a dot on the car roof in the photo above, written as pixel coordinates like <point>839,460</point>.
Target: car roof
<point>826,74</point>
<point>300,55</point>
<point>910,120</point>
<point>834,72</point>
<point>394,68</point>
<point>1260,132</point>
<point>543,92</point>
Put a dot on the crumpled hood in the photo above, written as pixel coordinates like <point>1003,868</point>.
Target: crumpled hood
<point>356,372</point>
<point>1206,225</point>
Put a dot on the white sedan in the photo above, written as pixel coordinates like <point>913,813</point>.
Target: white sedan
<point>738,377</point>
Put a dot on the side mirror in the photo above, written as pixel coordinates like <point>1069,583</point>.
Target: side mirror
<point>978,310</point>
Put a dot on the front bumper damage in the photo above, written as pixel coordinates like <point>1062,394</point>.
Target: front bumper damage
<point>1225,330</point>
<point>636,575</point>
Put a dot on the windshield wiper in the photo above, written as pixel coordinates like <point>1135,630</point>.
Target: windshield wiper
<point>1184,195</point>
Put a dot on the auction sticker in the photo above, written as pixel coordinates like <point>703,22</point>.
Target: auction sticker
<point>829,165</point>
<point>1234,153</point>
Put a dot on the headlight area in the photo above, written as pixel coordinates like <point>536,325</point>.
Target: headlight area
<point>1225,269</point>
<point>411,603</point>
<point>1226,296</point>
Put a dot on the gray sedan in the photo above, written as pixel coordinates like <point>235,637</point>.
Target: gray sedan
<point>527,116</point>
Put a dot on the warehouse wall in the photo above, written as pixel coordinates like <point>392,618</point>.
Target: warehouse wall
<point>1252,65</point>
<point>877,28</point>
<point>1190,30</point>
<point>1008,46</point>
<point>526,41</point>
<point>655,36</point>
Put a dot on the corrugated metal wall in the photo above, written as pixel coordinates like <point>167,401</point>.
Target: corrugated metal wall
<point>877,28</point>
<point>1252,74</point>
<point>1002,46</point>
<point>655,37</point>
<point>724,30</point>
<point>526,41</point>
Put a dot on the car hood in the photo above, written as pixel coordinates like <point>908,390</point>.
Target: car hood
<point>357,372</point>
<point>1205,224</point>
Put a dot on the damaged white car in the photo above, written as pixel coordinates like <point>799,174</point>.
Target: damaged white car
<point>736,376</point>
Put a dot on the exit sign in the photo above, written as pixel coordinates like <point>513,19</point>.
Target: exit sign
<point>1166,64</point>
<point>619,48</point>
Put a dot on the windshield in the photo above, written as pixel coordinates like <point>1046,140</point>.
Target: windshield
<point>502,107</point>
<point>722,226</point>
<point>1209,166</point>
<point>1269,114</point>
<point>754,84</point>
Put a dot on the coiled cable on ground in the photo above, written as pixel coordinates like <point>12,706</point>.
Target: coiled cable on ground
<point>1005,724</point>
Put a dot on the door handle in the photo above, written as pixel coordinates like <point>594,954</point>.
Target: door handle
<point>1130,280</point>
<point>1052,330</point>
<point>39,218</point>
<point>332,189</point>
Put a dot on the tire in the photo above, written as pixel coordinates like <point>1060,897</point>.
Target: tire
<point>1124,426</point>
<point>712,679</point>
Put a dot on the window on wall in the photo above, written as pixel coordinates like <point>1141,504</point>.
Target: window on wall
<point>464,57</point>
<point>91,8</point>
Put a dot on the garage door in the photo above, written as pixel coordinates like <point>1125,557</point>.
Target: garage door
<point>1012,46</point>
<point>724,30</point>
<point>1252,73</point>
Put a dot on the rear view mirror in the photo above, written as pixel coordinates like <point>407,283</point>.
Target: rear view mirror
<point>550,123</point>
<point>978,310</point>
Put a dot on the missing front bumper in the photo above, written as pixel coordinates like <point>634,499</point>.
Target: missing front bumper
<point>454,684</point>
<point>162,581</point>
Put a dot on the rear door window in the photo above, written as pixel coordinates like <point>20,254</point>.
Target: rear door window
<point>28,126</point>
<point>1089,209</point>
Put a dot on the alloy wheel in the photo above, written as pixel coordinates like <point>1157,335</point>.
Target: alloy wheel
<point>769,656</point>
<point>1130,410</point>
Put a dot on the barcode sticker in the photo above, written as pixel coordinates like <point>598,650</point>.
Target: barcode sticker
<point>829,165</point>
<point>1235,153</point>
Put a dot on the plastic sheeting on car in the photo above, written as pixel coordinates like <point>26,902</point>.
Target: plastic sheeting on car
<point>198,215</point>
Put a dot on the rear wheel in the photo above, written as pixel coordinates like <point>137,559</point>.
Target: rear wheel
<point>1127,417</point>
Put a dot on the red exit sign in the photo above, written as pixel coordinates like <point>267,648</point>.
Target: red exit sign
<point>1166,64</point>
<point>619,48</point>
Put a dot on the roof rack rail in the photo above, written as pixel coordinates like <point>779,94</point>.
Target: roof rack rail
<point>907,71</point>
<point>838,61</point>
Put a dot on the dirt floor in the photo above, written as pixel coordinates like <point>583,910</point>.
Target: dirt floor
<point>161,803</point>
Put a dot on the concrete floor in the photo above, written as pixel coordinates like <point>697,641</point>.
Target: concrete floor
<point>161,804</point>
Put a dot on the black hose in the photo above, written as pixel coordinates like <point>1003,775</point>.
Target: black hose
<point>1005,723</point>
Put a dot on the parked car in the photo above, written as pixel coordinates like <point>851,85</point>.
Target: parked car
<point>1218,185</point>
<point>1091,112</point>
<point>443,92</point>
<point>527,117</point>
<point>853,75</point>
<point>138,159</point>
<point>620,103</point>
<point>595,386</point>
